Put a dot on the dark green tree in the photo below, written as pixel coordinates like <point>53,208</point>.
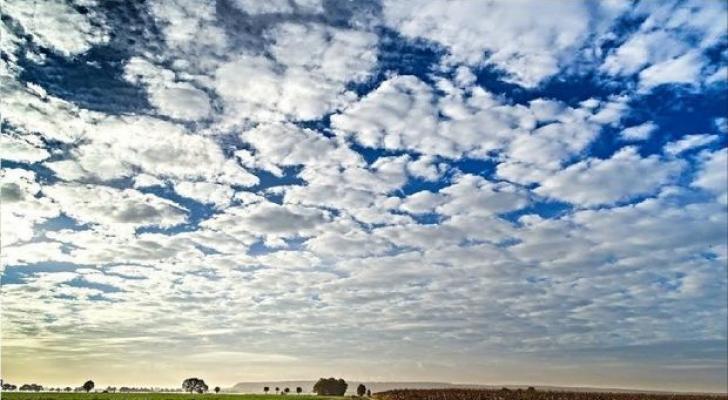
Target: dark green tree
<point>194,385</point>
<point>7,387</point>
<point>286,390</point>
<point>330,387</point>
<point>361,390</point>
<point>88,386</point>
<point>266,389</point>
<point>299,390</point>
<point>217,389</point>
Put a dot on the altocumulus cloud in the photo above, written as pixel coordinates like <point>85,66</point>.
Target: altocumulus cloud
<point>455,190</point>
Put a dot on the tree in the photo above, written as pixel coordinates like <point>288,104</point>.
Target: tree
<point>217,389</point>
<point>299,390</point>
<point>330,387</point>
<point>369,393</point>
<point>68,389</point>
<point>266,389</point>
<point>88,385</point>
<point>33,387</point>
<point>8,387</point>
<point>193,385</point>
<point>277,389</point>
<point>361,390</point>
<point>286,390</point>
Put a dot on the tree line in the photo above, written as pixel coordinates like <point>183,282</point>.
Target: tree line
<point>323,387</point>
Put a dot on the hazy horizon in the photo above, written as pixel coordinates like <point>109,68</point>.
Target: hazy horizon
<point>493,192</point>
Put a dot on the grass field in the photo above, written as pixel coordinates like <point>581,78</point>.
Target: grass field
<point>152,396</point>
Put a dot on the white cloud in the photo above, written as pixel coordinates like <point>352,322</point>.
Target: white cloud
<point>529,43</point>
<point>427,168</point>
<point>638,132</point>
<point>285,145</point>
<point>474,195</point>
<point>31,110</point>
<point>668,46</point>
<point>115,209</point>
<point>268,220</point>
<point>643,49</point>
<point>57,26</point>
<point>206,192</point>
<point>26,148</point>
<point>306,77</point>
<point>594,182</point>
<point>172,98</point>
<point>189,29</point>
<point>690,142</point>
<point>145,180</point>
<point>421,202</point>
<point>403,113</point>
<point>713,174</point>
<point>21,208</point>
<point>684,69</point>
<point>280,6</point>
<point>116,146</point>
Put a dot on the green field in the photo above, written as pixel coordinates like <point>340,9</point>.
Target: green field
<point>153,396</point>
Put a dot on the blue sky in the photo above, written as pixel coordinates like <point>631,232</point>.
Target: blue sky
<point>466,191</point>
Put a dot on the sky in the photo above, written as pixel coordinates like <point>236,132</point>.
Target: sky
<point>466,191</point>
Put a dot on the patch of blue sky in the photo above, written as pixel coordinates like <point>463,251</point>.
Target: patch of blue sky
<point>93,80</point>
<point>14,274</point>
<point>547,209</point>
<point>80,282</point>
<point>291,244</point>
<point>400,56</point>
<point>197,212</point>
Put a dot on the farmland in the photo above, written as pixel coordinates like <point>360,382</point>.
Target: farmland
<point>149,396</point>
<point>479,394</point>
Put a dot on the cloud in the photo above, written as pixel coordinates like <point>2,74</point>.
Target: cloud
<point>594,182</point>
<point>305,78</point>
<point>115,208</point>
<point>116,146</point>
<point>22,209</point>
<point>172,98</point>
<point>474,196</point>
<point>268,220</point>
<point>530,44</point>
<point>285,145</point>
<point>280,6</point>
<point>403,113</point>
<point>712,173</point>
<point>206,192</point>
<point>669,45</point>
<point>28,148</point>
<point>57,25</point>
<point>638,132</point>
<point>684,69</point>
<point>690,142</point>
